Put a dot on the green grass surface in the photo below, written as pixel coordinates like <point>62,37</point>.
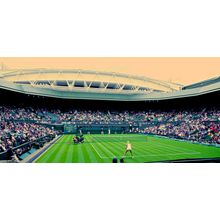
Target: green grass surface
<point>102,148</point>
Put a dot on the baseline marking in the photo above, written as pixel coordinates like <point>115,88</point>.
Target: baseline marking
<point>155,155</point>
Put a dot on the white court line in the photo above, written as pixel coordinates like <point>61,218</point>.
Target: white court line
<point>50,147</point>
<point>155,155</point>
<point>95,150</point>
<point>138,156</point>
<point>103,146</point>
<point>114,136</point>
<point>176,147</point>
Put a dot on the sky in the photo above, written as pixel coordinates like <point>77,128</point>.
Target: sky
<point>179,70</point>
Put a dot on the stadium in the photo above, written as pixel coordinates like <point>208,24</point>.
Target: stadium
<point>85,116</point>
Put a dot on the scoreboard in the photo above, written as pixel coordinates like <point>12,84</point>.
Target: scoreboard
<point>70,129</point>
<point>95,129</point>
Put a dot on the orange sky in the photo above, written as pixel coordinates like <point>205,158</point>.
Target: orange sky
<point>181,70</point>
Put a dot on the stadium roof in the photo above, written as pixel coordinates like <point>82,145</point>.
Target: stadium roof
<point>87,84</point>
<point>76,78</point>
<point>203,83</point>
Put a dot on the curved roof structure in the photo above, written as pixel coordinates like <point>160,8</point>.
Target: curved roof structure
<point>203,83</point>
<point>76,79</point>
<point>86,84</point>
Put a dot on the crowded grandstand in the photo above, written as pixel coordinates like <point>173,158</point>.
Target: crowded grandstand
<point>40,106</point>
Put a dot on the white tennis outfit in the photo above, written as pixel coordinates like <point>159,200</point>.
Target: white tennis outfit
<point>128,146</point>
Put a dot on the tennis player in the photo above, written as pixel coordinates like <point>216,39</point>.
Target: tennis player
<point>128,149</point>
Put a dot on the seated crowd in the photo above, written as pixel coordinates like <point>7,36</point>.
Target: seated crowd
<point>103,117</point>
<point>194,130</point>
<point>13,134</point>
<point>17,125</point>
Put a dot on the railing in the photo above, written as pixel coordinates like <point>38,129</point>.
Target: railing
<point>6,155</point>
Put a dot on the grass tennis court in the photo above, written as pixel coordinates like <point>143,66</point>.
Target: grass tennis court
<point>102,148</point>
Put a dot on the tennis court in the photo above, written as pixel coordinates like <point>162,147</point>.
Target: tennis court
<point>102,148</point>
